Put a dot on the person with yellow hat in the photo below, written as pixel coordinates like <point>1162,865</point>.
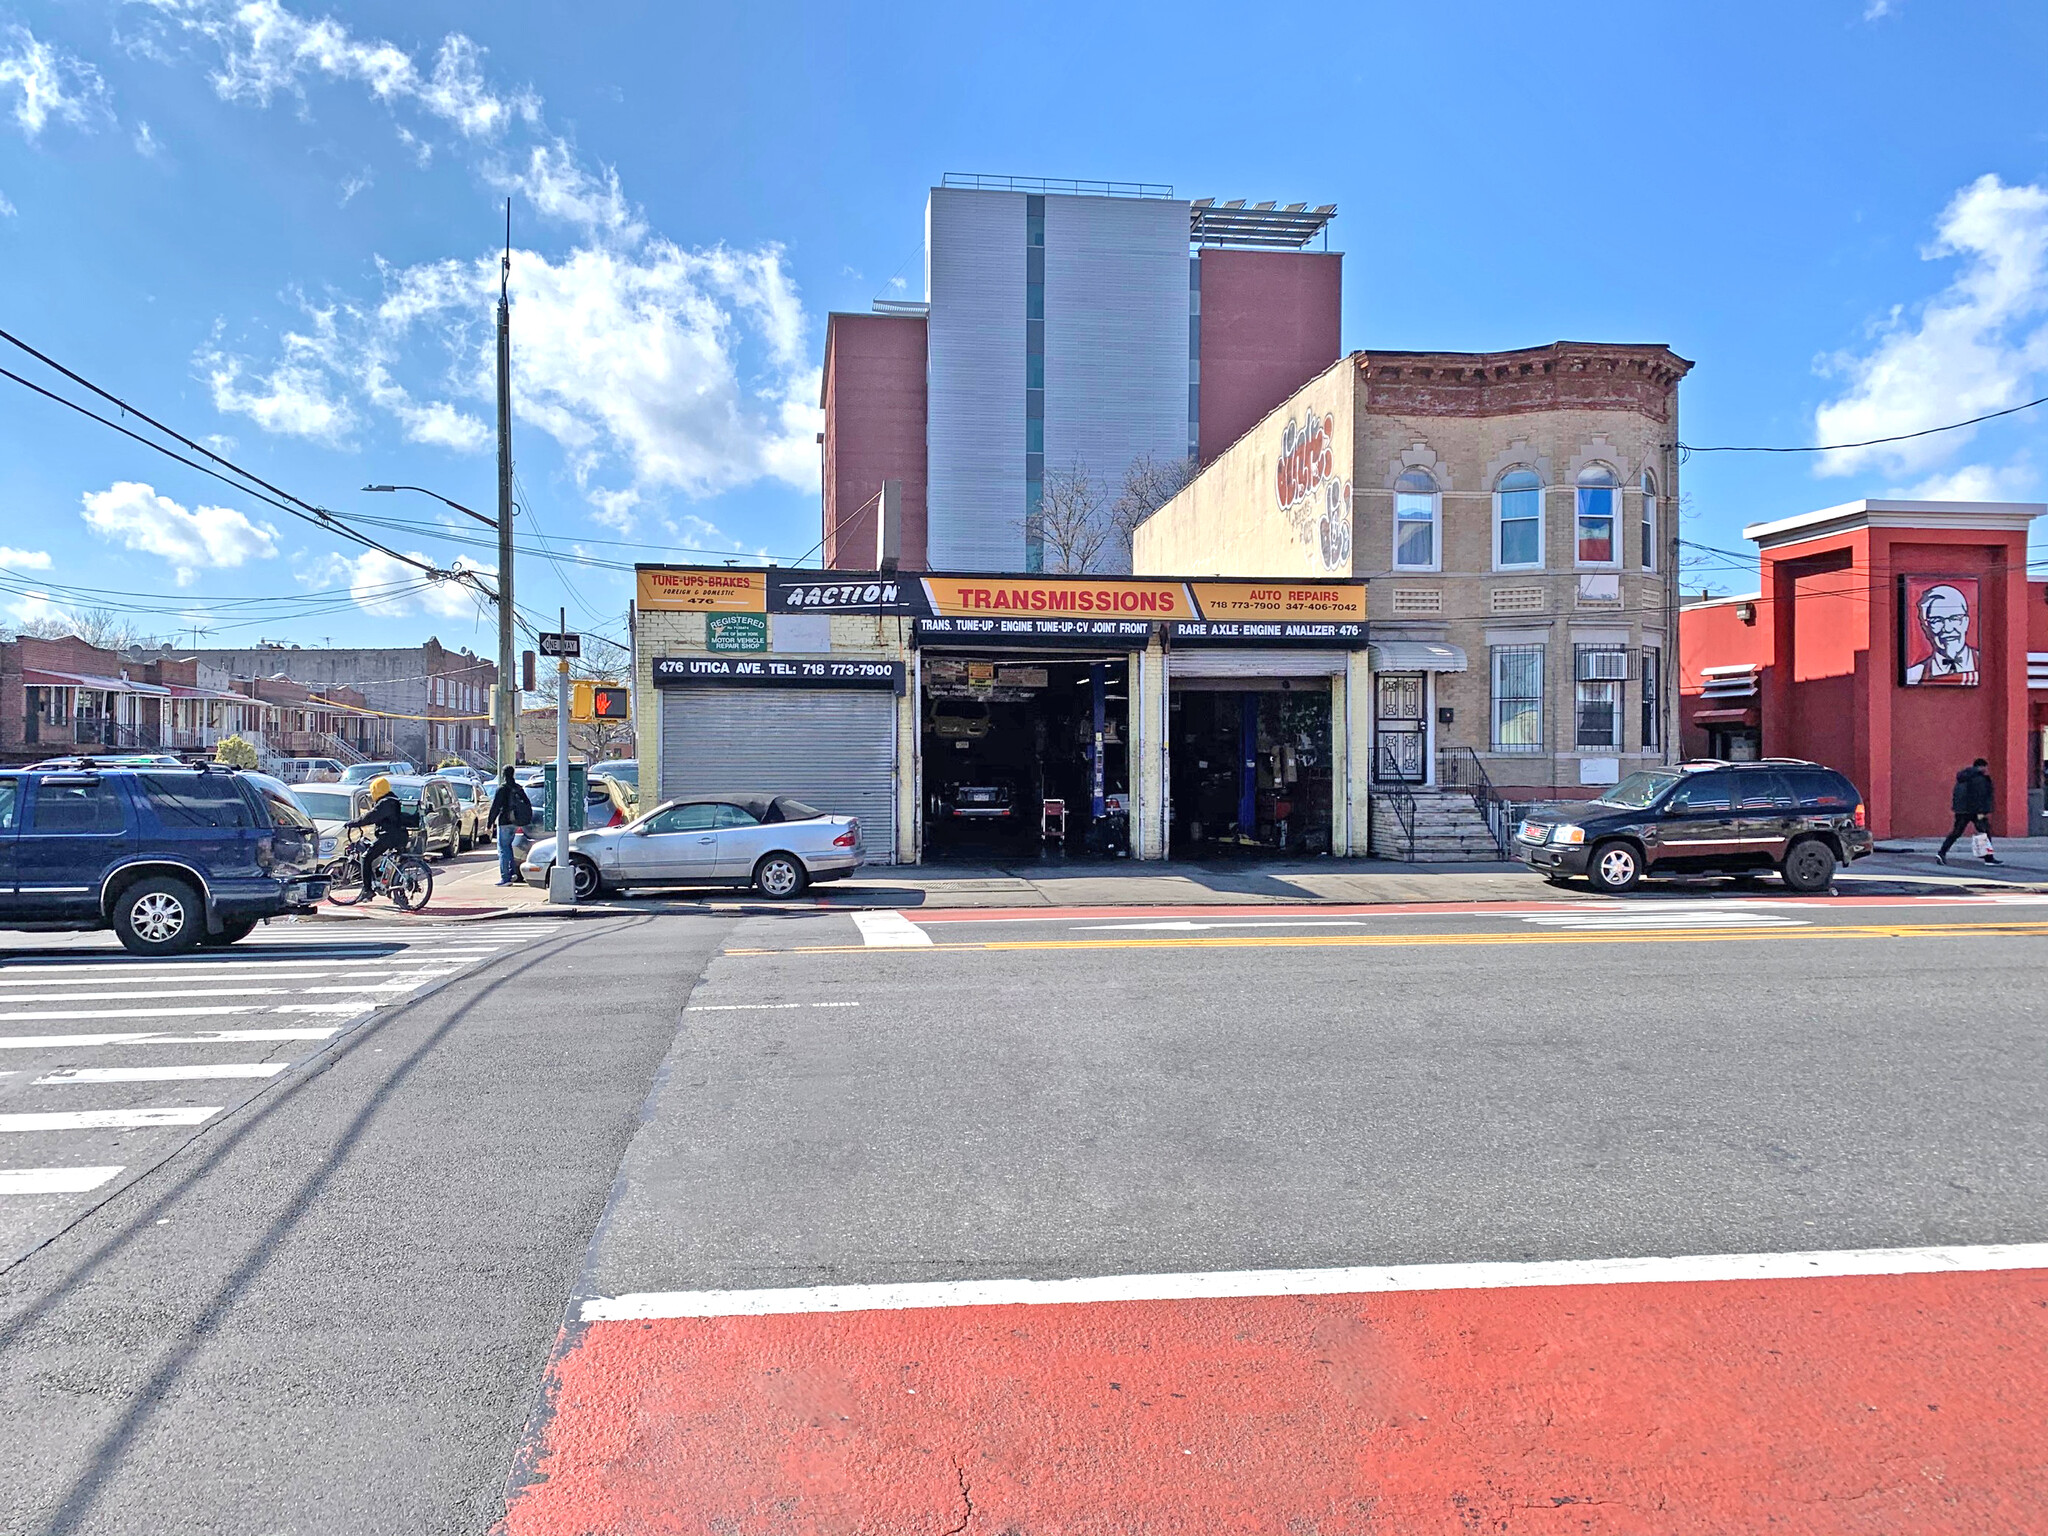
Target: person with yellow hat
<point>386,819</point>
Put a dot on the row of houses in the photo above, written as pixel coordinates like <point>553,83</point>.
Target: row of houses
<point>66,695</point>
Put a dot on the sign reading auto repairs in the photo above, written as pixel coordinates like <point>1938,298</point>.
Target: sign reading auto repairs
<point>667,589</point>
<point>1282,601</point>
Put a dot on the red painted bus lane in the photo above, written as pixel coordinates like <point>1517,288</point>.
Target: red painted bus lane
<point>1860,1403</point>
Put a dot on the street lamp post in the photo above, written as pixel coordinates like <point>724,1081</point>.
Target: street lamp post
<point>505,710</point>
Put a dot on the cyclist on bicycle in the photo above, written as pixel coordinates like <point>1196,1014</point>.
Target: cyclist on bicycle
<point>386,818</point>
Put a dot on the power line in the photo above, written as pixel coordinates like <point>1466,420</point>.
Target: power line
<point>1872,442</point>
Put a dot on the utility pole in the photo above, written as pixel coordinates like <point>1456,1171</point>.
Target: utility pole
<point>508,680</point>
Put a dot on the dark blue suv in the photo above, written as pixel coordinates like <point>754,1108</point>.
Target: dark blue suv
<point>169,858</point>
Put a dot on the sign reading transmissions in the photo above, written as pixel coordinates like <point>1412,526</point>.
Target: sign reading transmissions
<point>1063,599</point>
<point>736,632</point>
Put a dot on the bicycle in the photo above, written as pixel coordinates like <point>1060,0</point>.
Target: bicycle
<point>406,878</point>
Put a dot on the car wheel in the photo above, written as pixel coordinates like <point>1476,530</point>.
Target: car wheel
<point>1810,865</point>
<point>589,883</point>
<point>159,917</point>
<point>780,876</point>
<point>1615,867</point>
<point>232,932</point>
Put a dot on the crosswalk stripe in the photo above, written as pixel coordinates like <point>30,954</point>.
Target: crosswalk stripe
<point>326,1007</point>
<point>108,1119</point>
<point>890,930</point>
<point>143,997</point>
<point>131,1013</point>
<point>160,1074</point>
<point>157,1037</point>
<point>54,1181</point>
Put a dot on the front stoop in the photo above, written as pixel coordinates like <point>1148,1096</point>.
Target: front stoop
<point>1448,829</point>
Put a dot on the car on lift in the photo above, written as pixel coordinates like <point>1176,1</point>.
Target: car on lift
<point>960,719</point>
<point>1797,818</point>
<point>774,843</point>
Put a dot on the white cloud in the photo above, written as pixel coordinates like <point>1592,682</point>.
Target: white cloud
<point>202,538</point>
<point>1877,8</point>
<point>294,397</point>
<point>46,82</point>
<point>355,184</point>
<point>1972,349</point>
<point>6,208</point>
<point>393,589</point>
<point>561,189</point>
<point>24,559</point>
<point>32,606</point>
<point>1974,482</point>
<point>146,143</point>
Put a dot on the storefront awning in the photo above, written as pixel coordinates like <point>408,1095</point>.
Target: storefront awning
<point>37,677</point>
<point>1415,656</point>
<point>1725,717</point>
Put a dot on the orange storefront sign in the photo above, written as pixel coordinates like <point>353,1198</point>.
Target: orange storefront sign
<point>1281,599</point>
<point>1061,597</point>
<point>669,591</point>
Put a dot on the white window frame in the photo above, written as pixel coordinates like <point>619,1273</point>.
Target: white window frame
<point>1651,693</point>
<point>1495,656</point>
<point>1436,525</point>
<point>1498,519</point>
<point>1646,528</point>
<point>1616,540</point>
<point>1585,690</point>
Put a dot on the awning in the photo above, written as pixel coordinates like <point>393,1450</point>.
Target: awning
<point>1725,717</point>
<point>36,677</point>
<point>1415,656</point>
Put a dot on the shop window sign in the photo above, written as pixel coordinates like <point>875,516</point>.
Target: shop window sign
<point>736,632</point>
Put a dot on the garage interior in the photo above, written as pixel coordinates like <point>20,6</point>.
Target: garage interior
<point>1251,765</point>
<point>1010,747</point>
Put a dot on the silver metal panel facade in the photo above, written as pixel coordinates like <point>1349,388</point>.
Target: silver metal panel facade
<point>974,434</point>
<point>1231,662</point>
<point>836,751</point>
<point>1116,333</point>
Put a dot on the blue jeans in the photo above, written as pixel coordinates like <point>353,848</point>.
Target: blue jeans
<point>507,870</point>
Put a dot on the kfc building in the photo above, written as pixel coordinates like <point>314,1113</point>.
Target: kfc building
<point>1893,640</point>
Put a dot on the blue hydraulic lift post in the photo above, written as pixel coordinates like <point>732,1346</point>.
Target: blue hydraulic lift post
<point>1098,677</point>
<point>1248,766</point>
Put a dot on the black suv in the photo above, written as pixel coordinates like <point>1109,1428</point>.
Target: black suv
<point>167,857</point>
<point>1742,819</point>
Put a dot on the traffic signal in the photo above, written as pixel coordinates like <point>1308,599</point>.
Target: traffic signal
<point>590,702</point>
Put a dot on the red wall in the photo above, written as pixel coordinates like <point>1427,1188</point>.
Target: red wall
<point>1270,323</point>
<point>1714,635</point>
<point>874,399</point>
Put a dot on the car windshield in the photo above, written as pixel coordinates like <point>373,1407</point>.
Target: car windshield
<point>326,804</point>
<point>1638,790</point>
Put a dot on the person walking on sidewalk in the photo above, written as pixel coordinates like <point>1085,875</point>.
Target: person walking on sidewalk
<point>511,813</point>
<point>1970,801</point>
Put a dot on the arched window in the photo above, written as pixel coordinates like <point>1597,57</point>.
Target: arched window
<point>1518,520</point>
<point>1598,491</point>
<point>1649,521</point>
<point>1416,507</point>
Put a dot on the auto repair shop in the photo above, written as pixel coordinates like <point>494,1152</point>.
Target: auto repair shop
<point>1008,717</point>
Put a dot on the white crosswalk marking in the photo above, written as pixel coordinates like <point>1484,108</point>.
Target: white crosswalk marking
<point>54,1181</point>
<point>108,1119</point>
<point>127,1022</point>
<point>161,1074</point>
<point>1686,917</point>
<point>890,930</point>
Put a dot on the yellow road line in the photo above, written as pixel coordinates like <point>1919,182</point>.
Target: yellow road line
<point>1404,940</point>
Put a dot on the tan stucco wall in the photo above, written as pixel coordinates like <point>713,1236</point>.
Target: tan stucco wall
<point>1230,521</point>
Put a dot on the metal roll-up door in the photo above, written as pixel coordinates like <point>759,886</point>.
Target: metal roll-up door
<point>1222,661</point>
<point>836,751</point>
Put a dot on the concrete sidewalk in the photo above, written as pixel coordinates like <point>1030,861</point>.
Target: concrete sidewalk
<point>466,888</point>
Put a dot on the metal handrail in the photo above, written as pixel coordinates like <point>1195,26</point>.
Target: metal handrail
<point>1398,796</point>
<point>1460,768</point>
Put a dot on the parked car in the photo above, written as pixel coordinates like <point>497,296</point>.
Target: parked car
<point>606,803</point>
<point>431,811</point>
<point>990,797</point>
<point>168,858</point>
<point>362,773</point>
<point>309,770</point>
<point>622,771</point>
<point>123,760</point>
<point>771,842</point>
<point>472,809</point>
<point>1744,819</point>
<point>960,719</point>
<point>332,807</point>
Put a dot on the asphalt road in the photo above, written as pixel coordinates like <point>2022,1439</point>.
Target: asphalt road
<point>327,1308</point>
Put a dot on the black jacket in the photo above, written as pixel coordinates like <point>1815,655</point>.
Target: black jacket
<point>510,807</point>
<point>1972,794</point>
<point>386,820</point>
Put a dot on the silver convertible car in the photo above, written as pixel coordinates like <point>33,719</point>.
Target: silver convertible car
<point>771,842</point>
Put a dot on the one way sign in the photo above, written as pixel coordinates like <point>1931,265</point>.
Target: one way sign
<point>561,645</point>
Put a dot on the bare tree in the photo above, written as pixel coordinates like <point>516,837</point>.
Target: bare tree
<point>101,627</point>
<point>1149,483</point>
<point>1071,524</point>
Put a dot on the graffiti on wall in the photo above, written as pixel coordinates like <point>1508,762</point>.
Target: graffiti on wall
<point>1313,495</point>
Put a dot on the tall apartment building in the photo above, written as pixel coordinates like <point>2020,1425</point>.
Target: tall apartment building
<point>1064,325</point>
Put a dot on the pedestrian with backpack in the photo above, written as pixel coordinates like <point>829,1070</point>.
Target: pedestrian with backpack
<point>1970,802</point>
<point>511,813</point>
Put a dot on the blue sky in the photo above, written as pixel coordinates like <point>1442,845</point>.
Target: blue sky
<point>274,225</point>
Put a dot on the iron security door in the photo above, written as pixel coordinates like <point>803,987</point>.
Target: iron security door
<point>1400,733</point>
<point>833,750</point>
